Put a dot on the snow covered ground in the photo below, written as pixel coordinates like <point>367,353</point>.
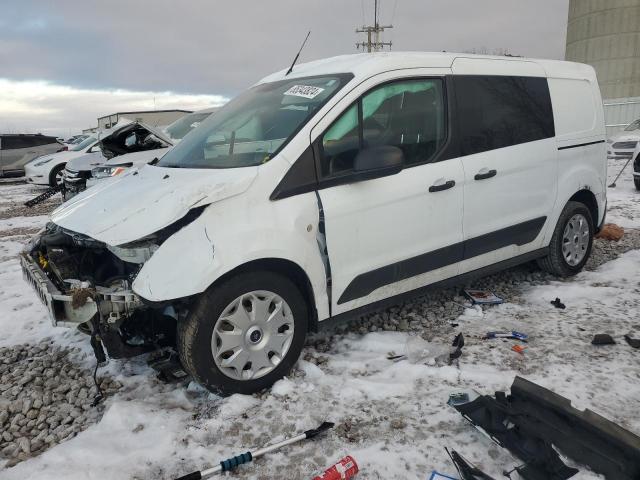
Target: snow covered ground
<point>392,417</point>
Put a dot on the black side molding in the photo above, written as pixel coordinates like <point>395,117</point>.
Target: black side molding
<point>581,145</point>
<point>365,283</point>
<point>356,313</point>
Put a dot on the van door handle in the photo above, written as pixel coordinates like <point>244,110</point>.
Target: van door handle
<point>443,186</point>
<point>484,174</point>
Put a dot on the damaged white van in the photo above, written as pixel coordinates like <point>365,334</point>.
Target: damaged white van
<point>341,187</point>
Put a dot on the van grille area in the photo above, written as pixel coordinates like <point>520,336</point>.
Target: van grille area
<point>75,181</point>
<point>40,283</point>
<point>625,145</point>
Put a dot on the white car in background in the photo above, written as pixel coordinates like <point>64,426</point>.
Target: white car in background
<point>135,140</point>
<point>48,169</point>
<point>175,131</point>
<point>621,145</point>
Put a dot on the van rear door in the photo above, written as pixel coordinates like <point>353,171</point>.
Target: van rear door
<point>510,160</point>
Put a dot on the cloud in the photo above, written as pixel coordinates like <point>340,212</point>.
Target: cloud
<point>42,107</point>
<point>220,48</point>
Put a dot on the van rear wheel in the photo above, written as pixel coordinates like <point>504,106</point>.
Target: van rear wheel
<point>571,242</point>
<point>245,334</point>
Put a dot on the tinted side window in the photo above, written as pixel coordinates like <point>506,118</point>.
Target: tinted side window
<point>408,114</point>
<point>496,112</point>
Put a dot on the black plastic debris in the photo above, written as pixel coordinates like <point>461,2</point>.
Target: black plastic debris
<point>602,339</point>
<point>558,304</point>
<point>457,345</point>
<point>634,342</point>
<point>533,422</point>
<point>466,469</point>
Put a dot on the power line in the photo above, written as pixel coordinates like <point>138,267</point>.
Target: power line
<point>373,42</point>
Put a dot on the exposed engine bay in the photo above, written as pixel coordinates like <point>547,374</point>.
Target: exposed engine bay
<point>88,283</point>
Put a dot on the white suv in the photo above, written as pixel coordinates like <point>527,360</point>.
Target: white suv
<point>322,194</point>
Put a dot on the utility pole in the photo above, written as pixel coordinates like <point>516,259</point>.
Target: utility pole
<point>373,43</point>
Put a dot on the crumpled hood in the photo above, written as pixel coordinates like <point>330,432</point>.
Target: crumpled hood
<point>142,201</point>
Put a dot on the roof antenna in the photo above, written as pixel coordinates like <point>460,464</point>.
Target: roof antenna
<point>298,54</point>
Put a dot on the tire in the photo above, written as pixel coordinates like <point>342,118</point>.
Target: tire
<point>557,262</point>
<point>54,175</point>
<point>636,180</point>
<point>195,337</point>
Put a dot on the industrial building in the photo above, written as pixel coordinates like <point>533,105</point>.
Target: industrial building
<point>606,35</point>
<point>150,117</point>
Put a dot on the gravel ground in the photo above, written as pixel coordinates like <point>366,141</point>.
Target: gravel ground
<point>46,398</point>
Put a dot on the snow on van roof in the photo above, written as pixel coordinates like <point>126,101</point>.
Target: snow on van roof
<point>363,65</point>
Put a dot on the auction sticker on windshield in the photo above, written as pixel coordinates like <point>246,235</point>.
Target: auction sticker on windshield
<point>305,91</point>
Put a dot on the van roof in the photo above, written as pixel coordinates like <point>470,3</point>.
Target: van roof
<point>364,65</point>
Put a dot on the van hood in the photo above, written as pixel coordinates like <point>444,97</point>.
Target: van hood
<point>142,201</point>
<point>138,158</point>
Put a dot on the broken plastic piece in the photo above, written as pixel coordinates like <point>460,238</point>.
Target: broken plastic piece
<point>519,349</point>
<point>466,470</point>
<point>532,422</point>
<point>634,342</point>
<point>458,398</point>
<point>440,476</point>
<point>513,334</point>
<point>602,339</point>
<point>483,297</point>
<point>457,345</point>
<point>558,304</point>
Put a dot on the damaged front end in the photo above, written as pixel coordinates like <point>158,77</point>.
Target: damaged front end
<point>87,284</point>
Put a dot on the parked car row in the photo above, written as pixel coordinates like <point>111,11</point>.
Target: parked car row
<point>108,153</point>
<point>319,194</point>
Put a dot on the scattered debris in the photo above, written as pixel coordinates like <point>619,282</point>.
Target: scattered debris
<point>345,469</point>
<point>519,349</point>
<point>634,342</point>
<point>232,463</point>
<point>466,470</point>
<point>483,297</point>
<point>602,339</point>
<point>457,345</point>
<point>439,476</point>
<point>512,335</point>
<point>532,422</point>
<point>458,398</point>
<point>44,196</point>
<point>558,304</point>
<point>611,231</point>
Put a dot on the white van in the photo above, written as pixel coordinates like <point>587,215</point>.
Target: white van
<point>340,188</point>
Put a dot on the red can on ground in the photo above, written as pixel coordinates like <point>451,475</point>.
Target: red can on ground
<point>343,470</point>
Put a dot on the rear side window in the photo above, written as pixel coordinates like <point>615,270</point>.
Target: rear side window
<point>497,111</point>
<point>12,142</point>
<point>408,114</point>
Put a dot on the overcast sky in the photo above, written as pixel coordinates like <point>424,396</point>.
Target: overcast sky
<point>63,63</point>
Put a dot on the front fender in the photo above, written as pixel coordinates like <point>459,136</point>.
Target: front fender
<point>230,234</point>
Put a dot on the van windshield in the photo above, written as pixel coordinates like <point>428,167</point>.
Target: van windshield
<point>253,127</point>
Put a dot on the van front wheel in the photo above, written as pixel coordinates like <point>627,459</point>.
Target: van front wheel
<point>571,242</point>
<point>245,334</point>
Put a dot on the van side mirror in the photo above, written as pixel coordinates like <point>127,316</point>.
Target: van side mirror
<point>378,162</point>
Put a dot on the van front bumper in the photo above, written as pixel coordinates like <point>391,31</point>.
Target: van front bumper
<point>111,303</point>
<point>59,305</point>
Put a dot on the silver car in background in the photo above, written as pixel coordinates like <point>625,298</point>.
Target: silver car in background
<point>16,150</point>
